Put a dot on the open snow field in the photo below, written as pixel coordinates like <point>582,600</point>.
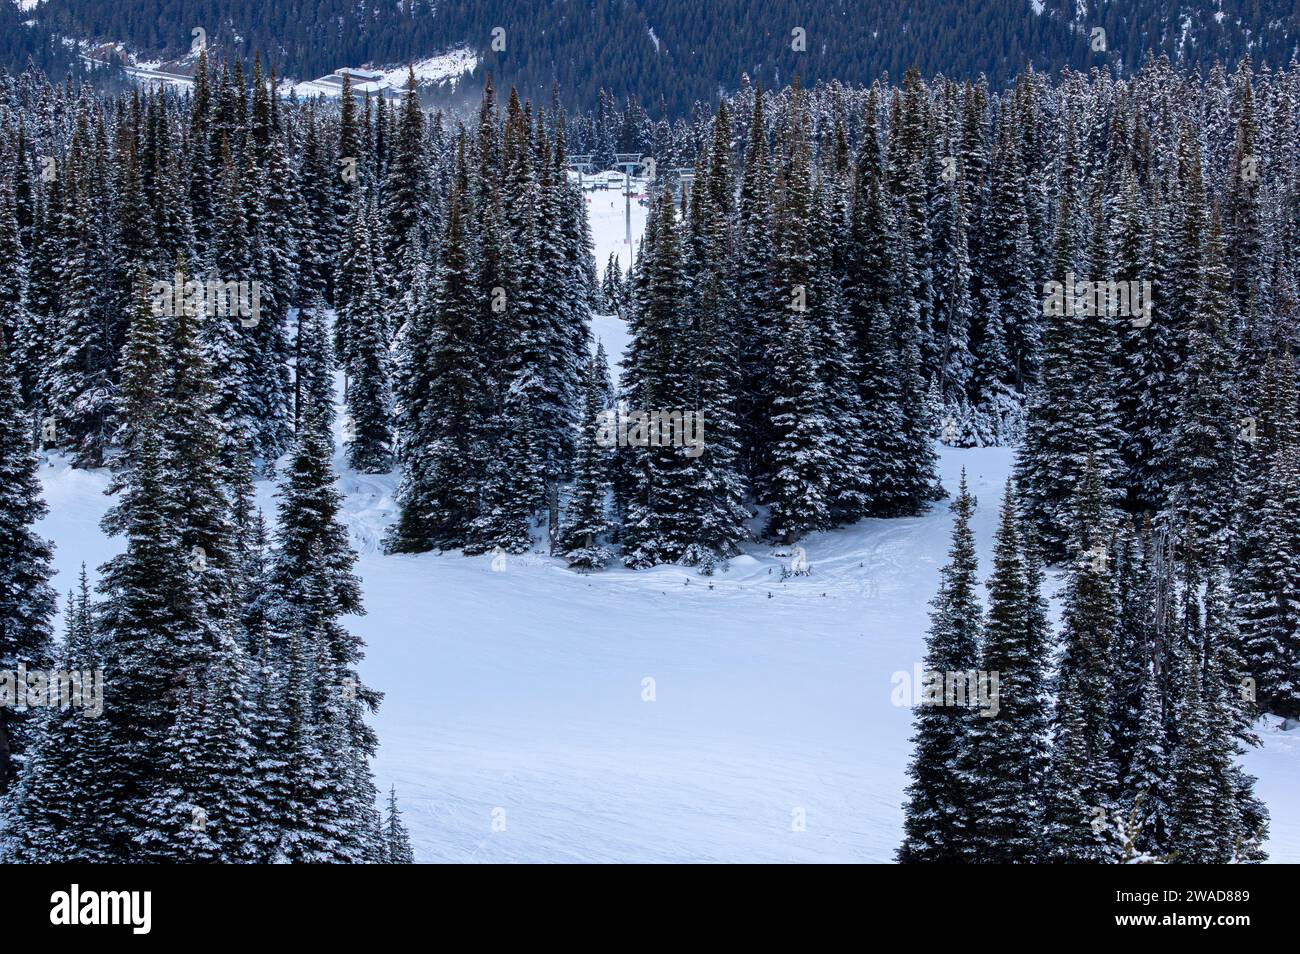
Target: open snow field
<point>519,694</point>
<point>606,212</point>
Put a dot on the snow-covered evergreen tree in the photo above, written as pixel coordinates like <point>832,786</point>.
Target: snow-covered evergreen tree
<point>658,524</point>
<point>1072,419</point>
<point>369,393</point>
<point>313,368</point>
<point>1006,761</point>
<point>1266,583</point>
<point>802,436</point>
<point>27,601</point>
<point>587,520</point>
<point>937,821</point>
<point>1203,488</point>
<point>440,491</point>
<point>1081,779</point>
<point>314,579</point>
<point>397,841</point>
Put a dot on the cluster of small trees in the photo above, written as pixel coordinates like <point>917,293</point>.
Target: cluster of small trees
<point>1121,750</point>
<point>233,724</point>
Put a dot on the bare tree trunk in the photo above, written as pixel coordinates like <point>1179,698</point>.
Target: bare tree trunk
<point>553,518</point>
<point>297,377</point>
<point>5,760</point>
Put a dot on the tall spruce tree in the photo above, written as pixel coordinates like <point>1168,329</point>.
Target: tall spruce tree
<point>313,576</point>
<point>27,601</point>
<point>588,519</point>
<point>440,491</point>
<point>1203,489</point>
<point>369,392</point>
<point>937,821</point>
<point>1081,779</point>
<point>1266,584</point>
<point>658,523</point>
<point>1072,422</point>
<point>801,452</point>
<point>1006,762</point>
<point>757,301</point>
<point>147,638</point>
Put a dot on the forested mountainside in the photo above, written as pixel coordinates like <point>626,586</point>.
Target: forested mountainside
<point>683,52</point>
<point>24,40</point>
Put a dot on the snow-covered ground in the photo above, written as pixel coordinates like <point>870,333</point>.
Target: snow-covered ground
<point>525,689</point>
<point>448,67</point>
<point>607,213</point>
<point>520,694</point>
<point>654,715</point>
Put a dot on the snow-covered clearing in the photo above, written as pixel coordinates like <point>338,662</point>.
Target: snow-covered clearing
<point>606,211</point>
<point>451,65</point>
<point>523,689</point>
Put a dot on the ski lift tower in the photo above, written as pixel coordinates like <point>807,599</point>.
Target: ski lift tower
<point>581,164</point>
<point>627,161</point>
<point>685,178</point>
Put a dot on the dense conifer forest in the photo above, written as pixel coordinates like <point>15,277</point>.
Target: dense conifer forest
<point>1100,270</point>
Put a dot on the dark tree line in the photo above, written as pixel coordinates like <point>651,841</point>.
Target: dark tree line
<point>679,54</point>
<point>1155,466</point>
